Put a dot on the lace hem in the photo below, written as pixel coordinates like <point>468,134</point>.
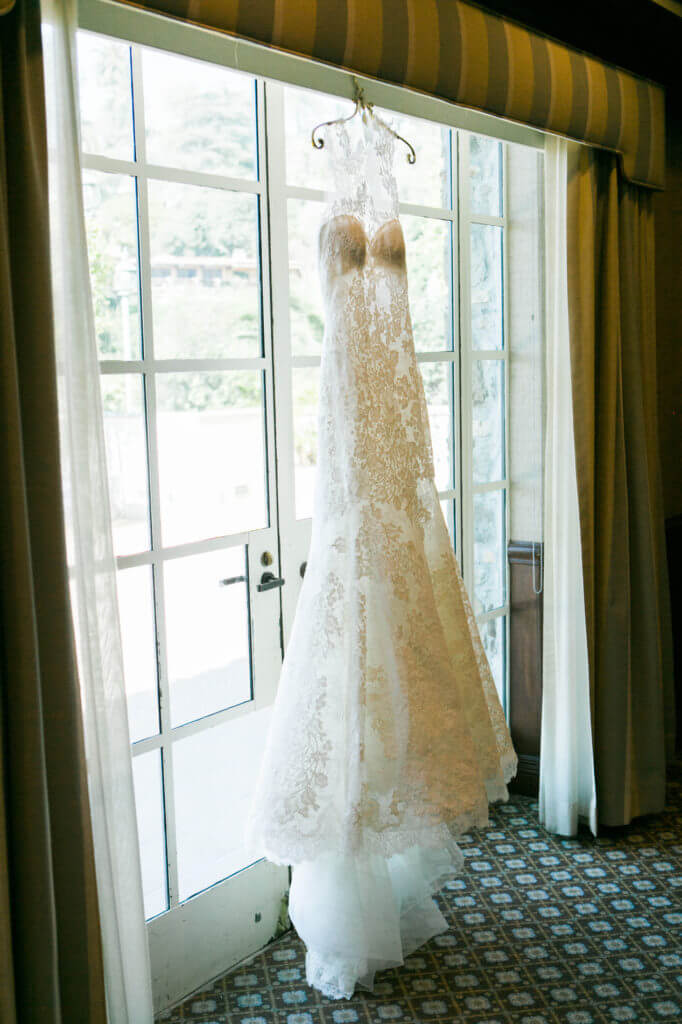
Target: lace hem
<point>335,977</point>
<point>389,842</point>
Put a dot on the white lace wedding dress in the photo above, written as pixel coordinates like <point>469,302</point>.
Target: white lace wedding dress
<point>387,738</point>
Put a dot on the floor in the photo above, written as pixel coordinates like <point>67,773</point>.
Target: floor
<point>542,929</point>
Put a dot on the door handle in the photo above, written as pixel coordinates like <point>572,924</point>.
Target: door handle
<point>230,580</point>
<point>269,581</point>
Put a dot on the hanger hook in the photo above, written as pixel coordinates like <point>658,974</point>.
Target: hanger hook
<point>360,104</point>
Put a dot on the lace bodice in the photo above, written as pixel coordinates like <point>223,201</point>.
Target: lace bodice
<point>361,153</point>
<point>374,438</point>
<point>345,246</point>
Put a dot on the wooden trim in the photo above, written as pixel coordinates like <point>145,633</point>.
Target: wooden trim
<point>520,552</point>
<point>525,662</point>
<point>527,781</point>
<point>673,541</point>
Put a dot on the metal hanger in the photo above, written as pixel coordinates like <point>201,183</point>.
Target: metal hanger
<point>361,104</point>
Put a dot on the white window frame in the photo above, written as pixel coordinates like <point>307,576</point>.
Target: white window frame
<point>468,356</point>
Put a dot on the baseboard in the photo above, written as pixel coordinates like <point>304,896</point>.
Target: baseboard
<point>527,780</point>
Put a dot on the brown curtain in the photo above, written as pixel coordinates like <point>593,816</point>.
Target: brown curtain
<point>51,966</point>
<point>613,357</point>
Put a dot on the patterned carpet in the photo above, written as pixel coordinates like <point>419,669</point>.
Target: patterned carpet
<point>542,929</point>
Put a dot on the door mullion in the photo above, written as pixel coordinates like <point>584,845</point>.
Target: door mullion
<point>288,528</point>
<point>466,468</point>
<point>266,308</point>
<point>154,489</point>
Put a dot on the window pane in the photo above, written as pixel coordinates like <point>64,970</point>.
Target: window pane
<point>427,181</point>
<point>438,389</point>
<point>138,635</point>
<point>151,831</point>
<point>489,551</point>
<point>485,175</point>
<point>214,776</point>
<point>125,436</point>
<point>111,223</point>
<point>448,506</point>
<point>306,389</point>
<point>211,454</point>
<point>198,116</point>
<point>428,248</point>
<point>207,628</point>
<point>205,268</point>
<point>486,287</point>
<point>303,109</point>
<point>493,635</point>
<point>105,97</point>
<point>487,401</point>
<point>306,313</point>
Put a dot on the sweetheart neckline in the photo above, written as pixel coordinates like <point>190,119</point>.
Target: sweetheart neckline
<point>369,238</point>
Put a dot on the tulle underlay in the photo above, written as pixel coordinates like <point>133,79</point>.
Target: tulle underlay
<point>361,914</point>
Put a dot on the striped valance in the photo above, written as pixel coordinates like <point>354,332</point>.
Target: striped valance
<point>458,52</point>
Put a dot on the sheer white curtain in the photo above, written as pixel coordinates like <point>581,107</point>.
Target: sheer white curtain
<point>567,784</point>
<point>90,548</point>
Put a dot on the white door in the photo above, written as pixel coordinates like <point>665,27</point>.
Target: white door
<point>175,187</point>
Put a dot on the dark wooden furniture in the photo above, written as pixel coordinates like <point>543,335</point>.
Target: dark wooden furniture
<point>525,669</point>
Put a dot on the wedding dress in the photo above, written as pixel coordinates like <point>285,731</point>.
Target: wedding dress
<point>387,738</point>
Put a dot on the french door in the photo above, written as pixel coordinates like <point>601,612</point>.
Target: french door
<point>175,185</point>
<point>202,197</point>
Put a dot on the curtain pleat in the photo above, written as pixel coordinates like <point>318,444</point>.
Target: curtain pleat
<point>613,362</point>
<point>567,784</point>
<point>51,969</point>
<point>92,566</point>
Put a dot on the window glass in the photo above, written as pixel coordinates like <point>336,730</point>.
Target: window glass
<point>205,270</point>
<point>428,250</point>
<point>210,429</point>
<point>125,436</point>
<point>214,777</point>
<point>207,625</point>
<point>106,109</point>
<point>489,551</point>
<point>199,116</point>
<point>485,171</point>
<point>148,784</point>
<point>303,110</point>
<point>427,181</point>
<point>306,388</point>
<point>306,310</point>
<point>111,224</point>
<point>136,611</point>
<point>486,287</point>
<point>487,403</point>
<point>493,635</point>
<point>437,379</point>
<point>448,507</point>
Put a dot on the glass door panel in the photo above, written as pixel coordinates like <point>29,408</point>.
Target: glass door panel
<point>208,644</point>
<point>211,451</point>
<point>179,263</point>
